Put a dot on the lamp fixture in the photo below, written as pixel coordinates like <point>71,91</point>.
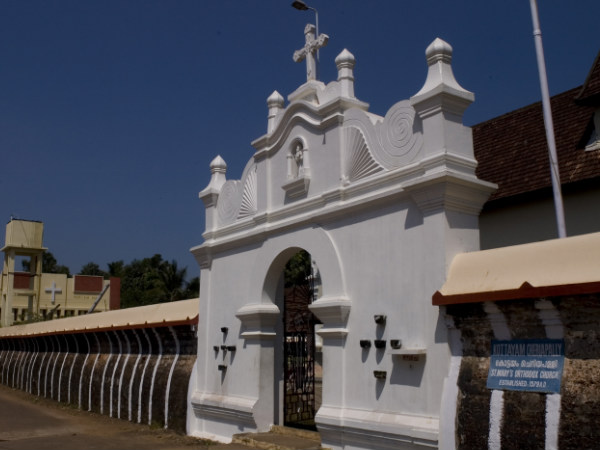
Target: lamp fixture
<point>300,5</point>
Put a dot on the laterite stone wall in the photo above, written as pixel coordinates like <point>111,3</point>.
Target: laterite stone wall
<point>136,374</point>
<point>524,415</point>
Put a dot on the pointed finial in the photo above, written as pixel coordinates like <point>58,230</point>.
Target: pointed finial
<point>441,90</point>
<point>275,104</point>
<point>218,165</point>
<point>345,64</point>
<point>438,50</point>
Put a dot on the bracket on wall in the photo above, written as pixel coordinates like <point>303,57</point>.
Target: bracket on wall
<point>380,319</point>
<point>380,374</point>
<point>395,343</point>
<point>409,354</point>
<point>379,343</point>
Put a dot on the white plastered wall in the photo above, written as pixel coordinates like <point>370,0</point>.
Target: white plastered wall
<point>383,206</point>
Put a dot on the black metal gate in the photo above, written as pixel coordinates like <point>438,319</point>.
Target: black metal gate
<point>299,358</point>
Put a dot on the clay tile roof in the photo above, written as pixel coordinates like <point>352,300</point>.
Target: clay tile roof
<point>590,92</point>
<point>512,151</point>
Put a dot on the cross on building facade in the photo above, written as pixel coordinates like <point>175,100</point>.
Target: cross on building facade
<point>312,44</point>
<point>53,290</point>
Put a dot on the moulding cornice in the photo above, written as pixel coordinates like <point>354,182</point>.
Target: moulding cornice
<point>451,191</point>
<point>333,312</point>
<point>226,408</point>
<point>209,197</point>
<point>379,429</point>
<point>441,99</point>
<point>444,188</point>
<point>297,187</point>
<point>301,111</point>
<point>203,256</point>
<point>451,161</point>
<point>258,320</point>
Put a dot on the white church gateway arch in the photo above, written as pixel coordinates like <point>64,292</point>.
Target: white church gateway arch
<point>331,308</point>
<point>382,205</point>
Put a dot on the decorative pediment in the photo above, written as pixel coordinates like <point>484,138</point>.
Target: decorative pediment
<point>249,204</point>
<point>359,161</point>
<point>354,155</point>
<point>228,203</point>
<point>399,135</point>
<point>389,143</point>
<point>238,199</point>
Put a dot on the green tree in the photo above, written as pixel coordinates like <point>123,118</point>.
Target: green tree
<point>116,268</point>
<point>92,268</point>
<point>141,284</point>
<point>192,289</point>
<point>173,280</point>
<point>298,269</point>
<point>148,281</point>
<point>49,265</point>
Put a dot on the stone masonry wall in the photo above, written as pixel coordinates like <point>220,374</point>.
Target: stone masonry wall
<point>524,416</point>
<point>138,374</point>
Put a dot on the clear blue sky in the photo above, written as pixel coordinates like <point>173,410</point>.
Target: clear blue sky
<point>111,111</point>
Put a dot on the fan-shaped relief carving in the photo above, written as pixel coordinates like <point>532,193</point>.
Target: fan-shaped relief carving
<point>229,201</point>
<point>400,136</point>
<point>249,204</point>
<point>359,161</point>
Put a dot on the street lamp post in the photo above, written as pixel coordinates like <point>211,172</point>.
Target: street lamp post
<point>554,170</point>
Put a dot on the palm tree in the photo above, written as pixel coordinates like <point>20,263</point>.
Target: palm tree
<point>172,279</point>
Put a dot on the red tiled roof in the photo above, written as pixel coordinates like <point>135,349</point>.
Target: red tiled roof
<point>590,92</point>
<point>512,151</point>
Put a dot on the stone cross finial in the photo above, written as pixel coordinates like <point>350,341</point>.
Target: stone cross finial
<point>311,45</point>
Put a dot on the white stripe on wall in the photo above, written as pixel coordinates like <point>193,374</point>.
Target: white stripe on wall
<point>92,375</point>
<point>501,331</point>
<point>160,351</point>
<point>37,352</point>
<point>554,328</point>
<point>123,371</point>
<point>63,365</point>
<point>71,369</point>
<point>144,375</point>
<point>112,379</point>
<point>87,355</point>
<point>54,368</point>
<point>132,379</point>
<point>110,355</point>
<point>39,383</point>
<point>177,347</point>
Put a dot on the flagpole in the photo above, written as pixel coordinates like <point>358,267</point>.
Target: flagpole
<point>554,170</point>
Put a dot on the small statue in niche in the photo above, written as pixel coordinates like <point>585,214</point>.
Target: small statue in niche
<point>298,170</point>
<point>296,161</point>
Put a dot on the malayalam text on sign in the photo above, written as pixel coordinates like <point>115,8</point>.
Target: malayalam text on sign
<point>534,365</point>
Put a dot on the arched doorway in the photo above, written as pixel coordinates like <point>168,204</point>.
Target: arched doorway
<point>263,323</point>
<point>301,354</point>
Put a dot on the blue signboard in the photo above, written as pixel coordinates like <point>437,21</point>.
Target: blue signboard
<point>534,365</point>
